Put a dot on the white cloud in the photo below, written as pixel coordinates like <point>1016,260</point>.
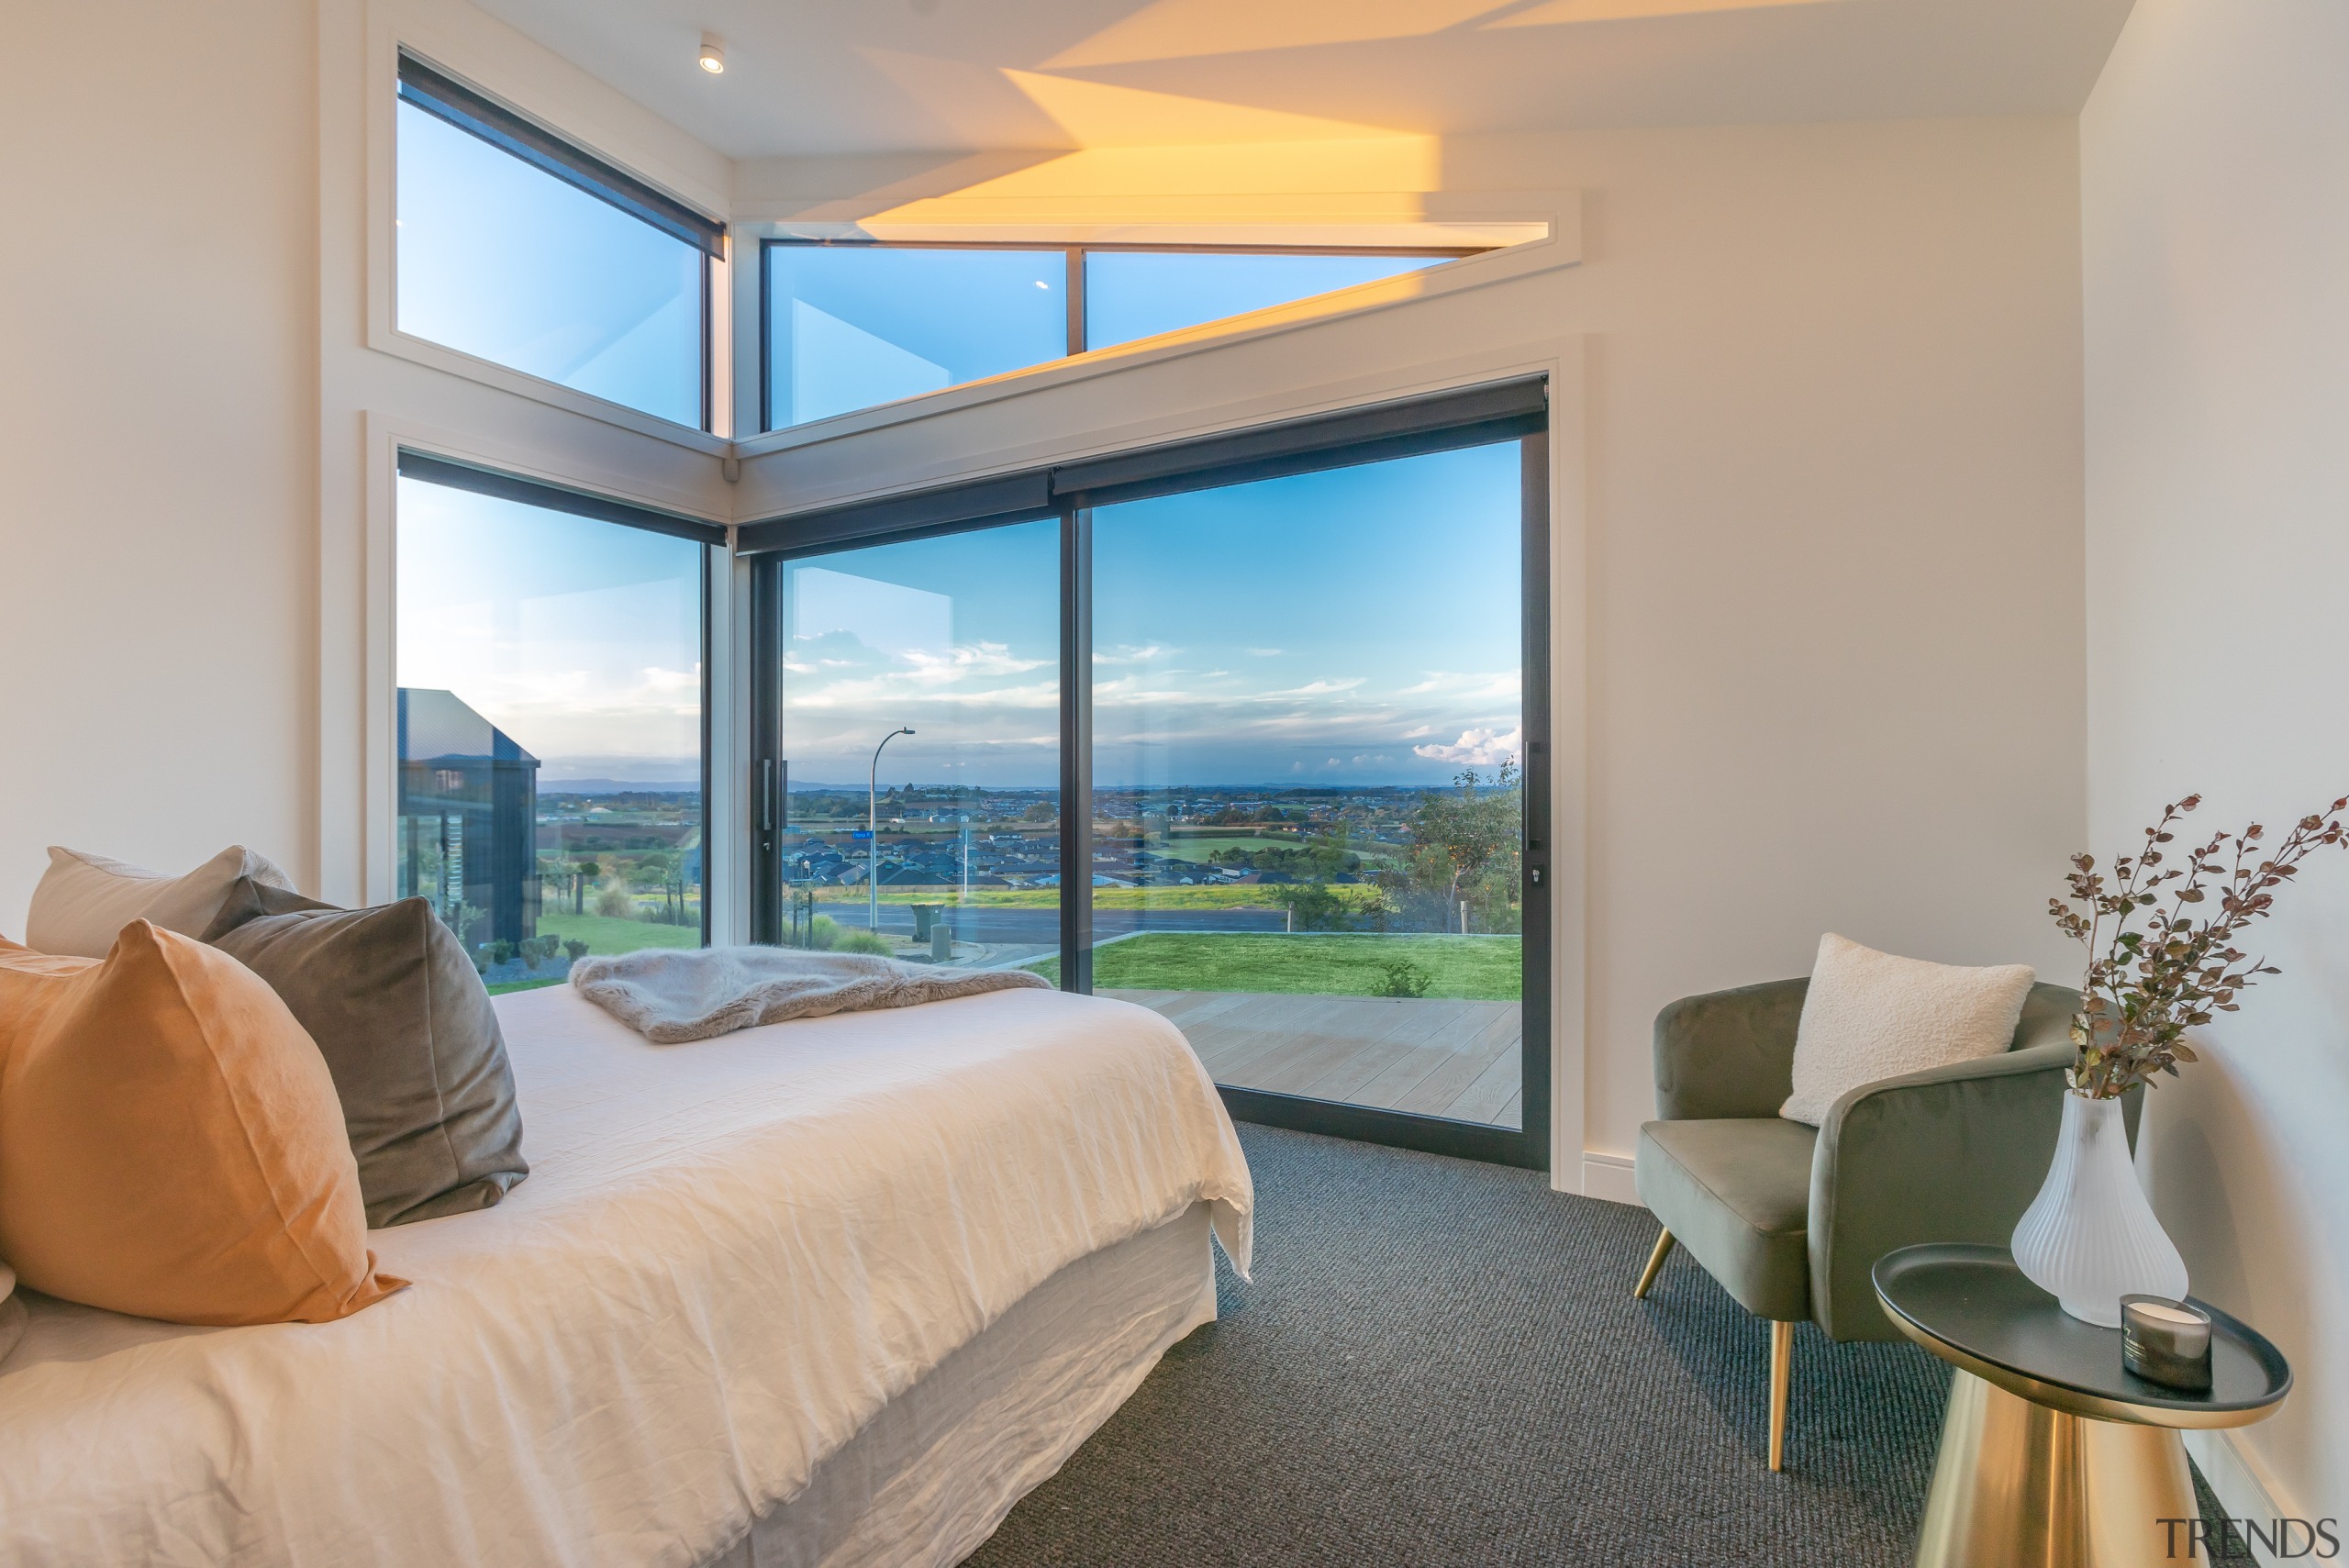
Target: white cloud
<point>1311,689</point>
<point>1492,686</point>
<point>1265,653</point>
<point>1478,748</point>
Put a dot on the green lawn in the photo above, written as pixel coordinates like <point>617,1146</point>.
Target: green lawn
<point>605,935</point>
<point>1459,968</point>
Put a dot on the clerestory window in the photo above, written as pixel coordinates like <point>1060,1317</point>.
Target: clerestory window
<point>851,325</point>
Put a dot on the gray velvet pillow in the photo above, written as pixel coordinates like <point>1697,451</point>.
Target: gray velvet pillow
<point>407,1032</point>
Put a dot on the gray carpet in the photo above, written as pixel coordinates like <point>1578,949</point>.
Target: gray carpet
<point>1441,1362</point>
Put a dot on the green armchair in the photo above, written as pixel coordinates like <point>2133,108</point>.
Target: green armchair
<point>1790,1219</point>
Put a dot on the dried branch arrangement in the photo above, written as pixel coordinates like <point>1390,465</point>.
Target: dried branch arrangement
<point>2149,982</point>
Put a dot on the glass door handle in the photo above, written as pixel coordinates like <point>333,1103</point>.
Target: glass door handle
<point>766,793</point>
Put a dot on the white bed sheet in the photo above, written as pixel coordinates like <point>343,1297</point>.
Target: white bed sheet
<point>728,1256</point>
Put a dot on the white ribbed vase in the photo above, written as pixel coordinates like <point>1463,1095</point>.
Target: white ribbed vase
<point>2090,1238</point>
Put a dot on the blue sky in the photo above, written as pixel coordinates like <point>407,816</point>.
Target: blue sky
<point>581,640</point>
<point>507,262</point>
<point>851,326</point>
<point>1355,626</point>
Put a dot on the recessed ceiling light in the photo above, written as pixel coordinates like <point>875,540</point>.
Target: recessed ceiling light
<point>713,53</point>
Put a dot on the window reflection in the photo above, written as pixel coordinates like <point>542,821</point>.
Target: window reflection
<point>550,791</point>
<point>853,326</point>
<point>1140,294</point>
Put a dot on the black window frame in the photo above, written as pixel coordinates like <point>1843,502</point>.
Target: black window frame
<point>1073,257</point>
<point>1515,410</point>
<point>446,97</point>
<point>432,467</point>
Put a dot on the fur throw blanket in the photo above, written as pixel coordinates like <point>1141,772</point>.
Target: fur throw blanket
<point>669,994</point>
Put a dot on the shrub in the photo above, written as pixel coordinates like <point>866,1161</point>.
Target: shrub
<point>501,952</point>
<point>864,941</point>
<point>1403,978</point>
<point>823,932</point>
<point>613,903</point>
<point>576,949</point>
<point>1313,907</point>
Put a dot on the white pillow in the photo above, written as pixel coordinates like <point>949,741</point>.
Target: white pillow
<point>85,900</point>
<point>1870,1016</point>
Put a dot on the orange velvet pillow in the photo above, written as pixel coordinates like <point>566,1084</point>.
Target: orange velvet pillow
<point>170,1141</point>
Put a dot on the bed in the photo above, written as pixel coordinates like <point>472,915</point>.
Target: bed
<point>832,1292</point>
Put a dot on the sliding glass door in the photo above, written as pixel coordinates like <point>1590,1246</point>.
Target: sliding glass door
<point>1309,750</point>
<point>1254,737</point>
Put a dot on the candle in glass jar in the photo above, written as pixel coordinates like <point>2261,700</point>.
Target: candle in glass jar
<point>2165,1341</point>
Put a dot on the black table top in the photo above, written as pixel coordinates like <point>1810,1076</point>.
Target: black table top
<point>1972,1306</point>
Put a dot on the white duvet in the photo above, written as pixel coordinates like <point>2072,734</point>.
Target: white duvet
<point>728,1255</point>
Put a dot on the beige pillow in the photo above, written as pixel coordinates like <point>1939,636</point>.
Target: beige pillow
<point>1869,1016</point>
<point>85,900</point>
<point>171,1145</point>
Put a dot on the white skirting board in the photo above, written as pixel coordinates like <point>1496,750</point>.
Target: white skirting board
<point>1609,1177</point>
<point>2246,1488</point>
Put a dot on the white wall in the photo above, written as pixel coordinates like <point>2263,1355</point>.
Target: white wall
<point>158,433</point>
<point>2214,160</point>
<point>1832,655</point>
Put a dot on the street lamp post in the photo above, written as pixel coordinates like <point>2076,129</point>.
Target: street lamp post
<point>872,836</point>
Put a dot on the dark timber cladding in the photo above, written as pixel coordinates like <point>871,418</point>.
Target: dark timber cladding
<point>1510,411</point>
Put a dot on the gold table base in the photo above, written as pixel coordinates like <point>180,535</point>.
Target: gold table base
<point>2020,1486</point>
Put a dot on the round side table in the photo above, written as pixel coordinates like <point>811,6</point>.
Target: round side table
<point>2052,1455</point>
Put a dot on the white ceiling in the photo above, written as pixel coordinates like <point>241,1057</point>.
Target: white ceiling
<point>806,77</point>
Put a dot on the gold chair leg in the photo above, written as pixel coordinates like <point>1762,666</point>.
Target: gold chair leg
<point>1656,1264</point>
<point>1782,1356</point>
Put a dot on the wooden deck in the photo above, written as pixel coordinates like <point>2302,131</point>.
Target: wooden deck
<point>1459,1060</point>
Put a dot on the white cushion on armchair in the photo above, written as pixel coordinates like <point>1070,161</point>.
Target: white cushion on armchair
<point>1869,1016</point>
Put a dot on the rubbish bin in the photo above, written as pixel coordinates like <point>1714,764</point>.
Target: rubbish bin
<point>941,943</point>
<point>924,915</point>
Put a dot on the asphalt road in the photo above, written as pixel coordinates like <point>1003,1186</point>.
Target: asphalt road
<point>1043,925</point>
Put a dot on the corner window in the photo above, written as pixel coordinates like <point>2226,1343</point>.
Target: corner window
<point>854,325</point>
<point>522,249</point>
<point>550,669</point>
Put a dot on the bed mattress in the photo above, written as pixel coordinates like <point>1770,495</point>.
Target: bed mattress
<point>729,1257</point>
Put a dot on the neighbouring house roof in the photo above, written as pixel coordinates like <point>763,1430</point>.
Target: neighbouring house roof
<point>438,727</point>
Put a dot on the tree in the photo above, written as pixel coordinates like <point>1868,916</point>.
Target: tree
<point>1466,846</point>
